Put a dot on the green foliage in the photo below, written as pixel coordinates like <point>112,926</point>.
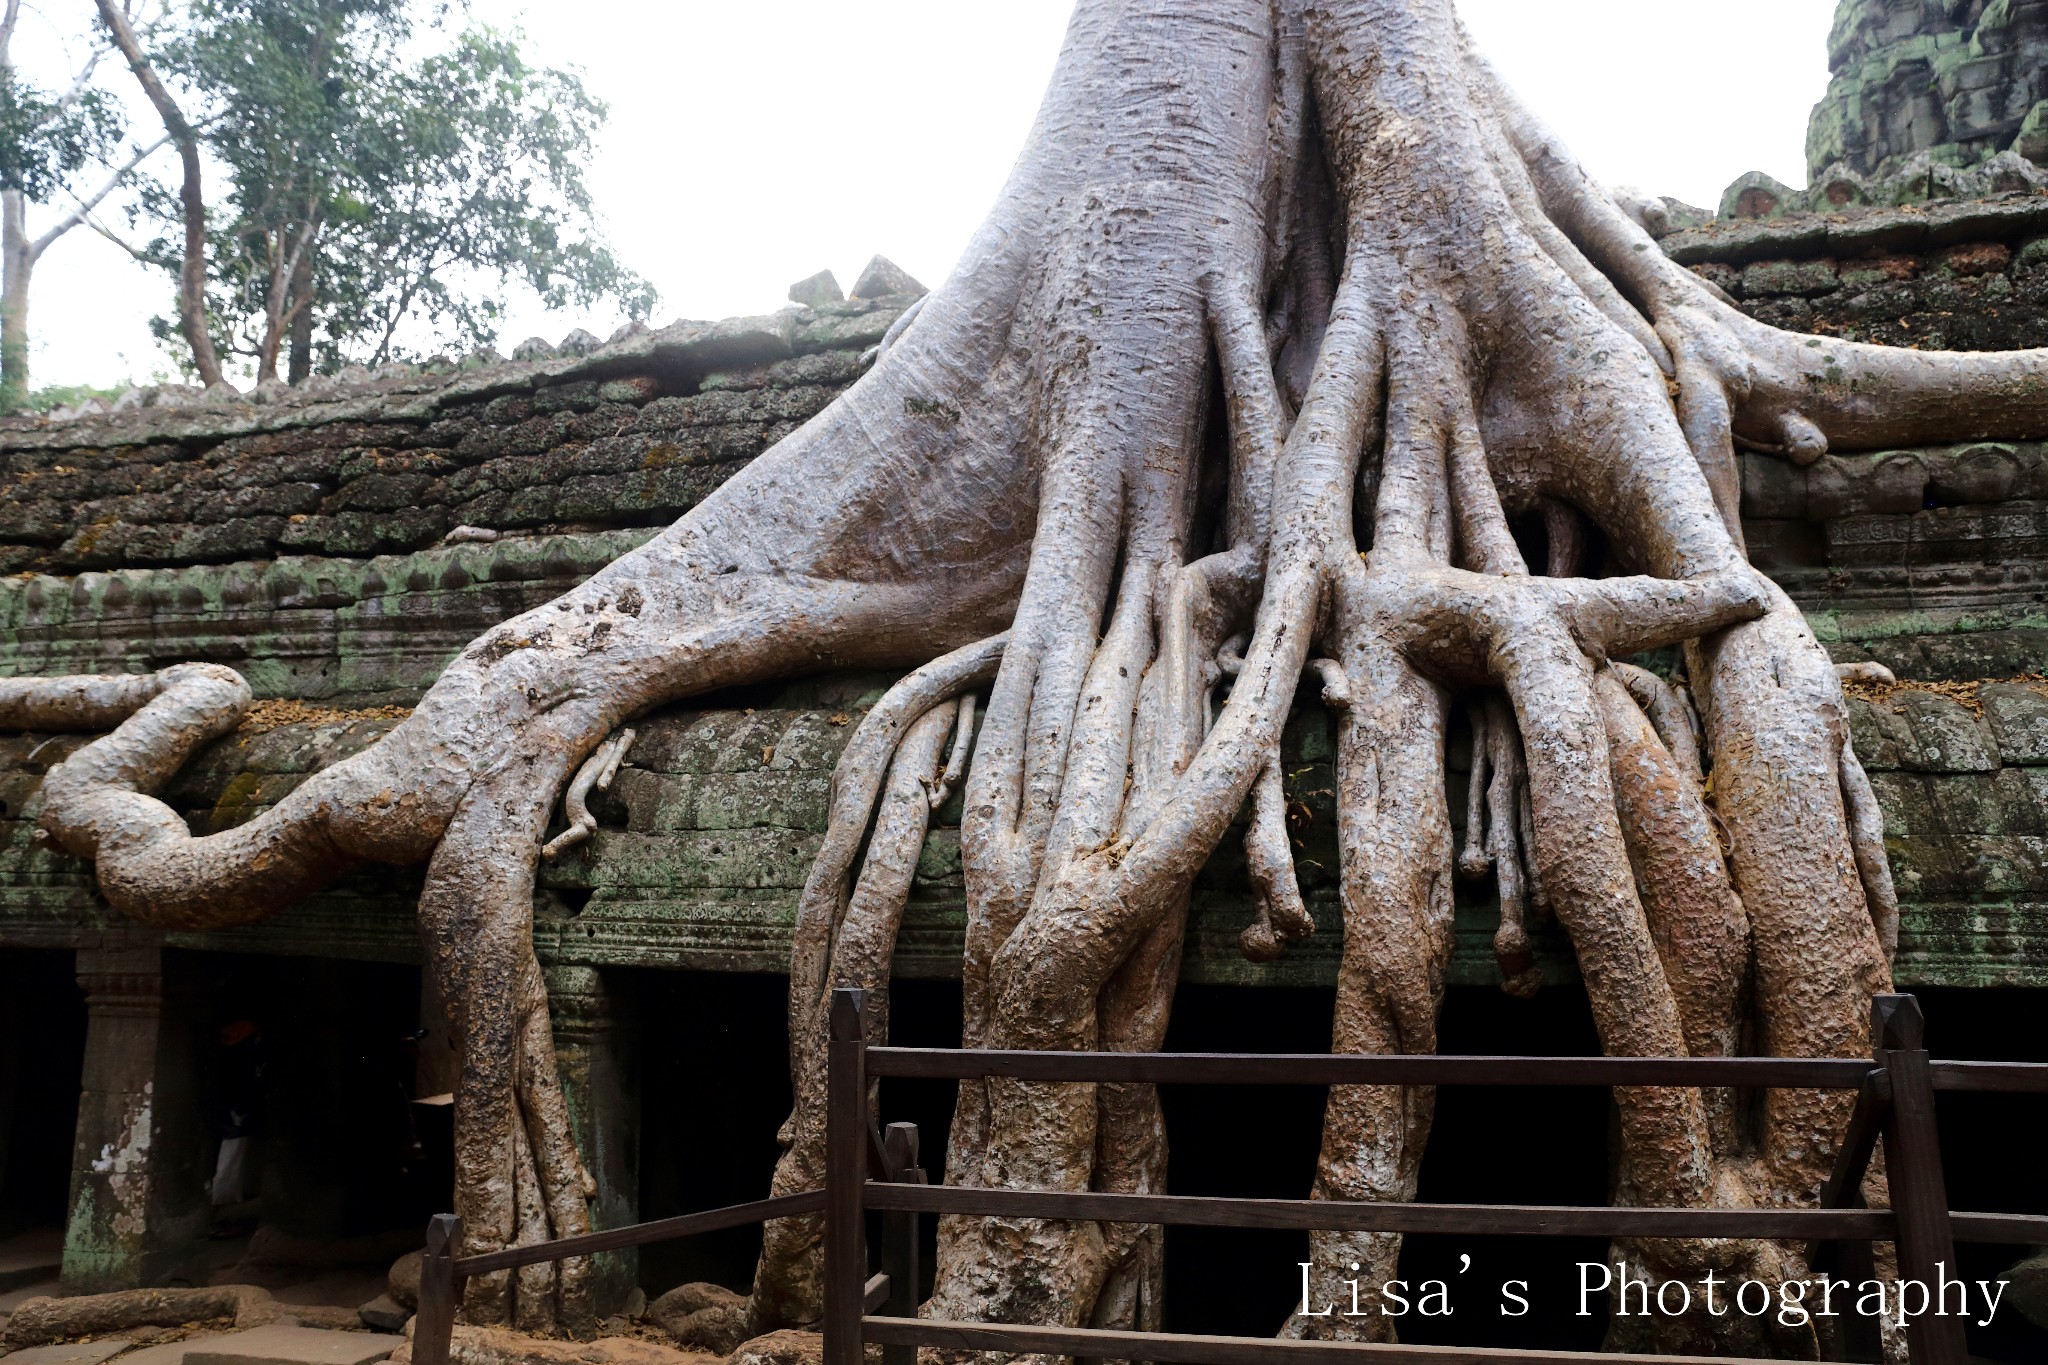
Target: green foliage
<point>45,140</point>
<point>471,168</point>
<point>388,189</point>
<point>50,397</point>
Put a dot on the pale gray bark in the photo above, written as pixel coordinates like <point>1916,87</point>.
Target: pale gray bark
<point>1425,320</point>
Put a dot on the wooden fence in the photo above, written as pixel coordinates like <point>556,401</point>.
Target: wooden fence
<point>874,1169</point>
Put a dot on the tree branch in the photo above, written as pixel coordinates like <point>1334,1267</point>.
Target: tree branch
<point>78,86</point>
<point>141,254</point>
<point>192,275</point>
<point>88,203</point>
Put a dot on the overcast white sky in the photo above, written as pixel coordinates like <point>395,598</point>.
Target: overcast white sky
<point>754,142</point>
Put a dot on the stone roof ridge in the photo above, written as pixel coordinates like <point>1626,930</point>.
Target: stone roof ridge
<point>400,391</point>
<point>2011,216</point>
<point>1917,184</point>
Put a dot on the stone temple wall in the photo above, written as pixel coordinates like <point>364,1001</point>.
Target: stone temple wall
<point>340,543</point>
<point>1959,80</point>
<point>340,548</point>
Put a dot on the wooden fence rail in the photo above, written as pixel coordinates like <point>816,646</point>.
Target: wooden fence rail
<point>442,1271</point>
<point>1895,1101</point>
<point>872,1169</point>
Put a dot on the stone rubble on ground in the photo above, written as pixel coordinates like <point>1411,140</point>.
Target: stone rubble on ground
<point>165,1353</point>
<point>792,1347</point>
<point>402,1282</point>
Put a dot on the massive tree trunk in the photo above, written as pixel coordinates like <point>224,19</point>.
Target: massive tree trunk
<point>1429,329</point>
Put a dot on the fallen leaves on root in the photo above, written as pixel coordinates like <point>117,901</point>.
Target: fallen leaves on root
<point>265,716</point>
<point>1967,693</point>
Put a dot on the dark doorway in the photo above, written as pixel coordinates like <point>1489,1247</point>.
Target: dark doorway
<point>42,1055</point>
<point>313,1061</point>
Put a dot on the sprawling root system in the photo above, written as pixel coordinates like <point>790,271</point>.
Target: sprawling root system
<point>1440,350</point>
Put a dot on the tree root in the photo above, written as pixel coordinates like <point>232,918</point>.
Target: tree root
<point>597,772</point>
<point>1426,330</point>
<point>1281,917</point>
<point>856,953</point>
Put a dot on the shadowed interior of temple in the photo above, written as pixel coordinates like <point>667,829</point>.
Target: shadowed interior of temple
<point>42,1048</point>
<point>271,1104</point>
<point>715,1085</point>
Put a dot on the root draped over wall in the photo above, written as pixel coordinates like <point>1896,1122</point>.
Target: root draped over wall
<point>1443,357</point>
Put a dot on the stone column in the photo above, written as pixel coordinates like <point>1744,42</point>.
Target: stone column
<point>141,1161</point>
<point>596,1048</point>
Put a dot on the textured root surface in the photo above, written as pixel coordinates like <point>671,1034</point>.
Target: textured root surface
<point>845,942</point>
<point>1293,348</point>
<point>40,1320</point>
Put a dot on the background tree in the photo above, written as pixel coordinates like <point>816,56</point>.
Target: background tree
<point>191,257</point>
<point>282,78</point>
<point>48,142</point>
<point>367,187</point>
<point>469,168</point>
<point>1447,356</point>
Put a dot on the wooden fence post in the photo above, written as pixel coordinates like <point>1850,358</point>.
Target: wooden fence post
<point>433,1327</point>
<point>899,1237</point>
<point>1862,1339</point>
<point>846,1172</point>
<point>1926,1245</point>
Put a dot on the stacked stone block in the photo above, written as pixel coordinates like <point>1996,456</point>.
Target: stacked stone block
<point>1960,79</point>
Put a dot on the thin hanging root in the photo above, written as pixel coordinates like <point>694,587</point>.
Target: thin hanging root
<point>1336,689</point>
<point>856,784</point>
<point>1506,800</point>
<point>1565,529</point>
<point>956,764</point>
<point>899,327</point>
<point>858,952</point>
<point>1476,859</point>
<point>1282,917</point>
<point>857,777</point>
<point>1866,841</point>
<point>597,771</point>
<point>1666,705</point>
<point>1537,898</point>
<point>550,1135</point>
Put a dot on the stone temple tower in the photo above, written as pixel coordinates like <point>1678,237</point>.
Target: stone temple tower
<point>1960,80</point>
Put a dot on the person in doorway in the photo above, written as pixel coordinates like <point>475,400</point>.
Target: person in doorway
<point>241,1071</point>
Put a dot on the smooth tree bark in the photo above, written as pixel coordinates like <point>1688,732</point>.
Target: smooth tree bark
<point>1444,357</point>
<point>20,253</point>
<point>299,363</point>
<point>191,193</point>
